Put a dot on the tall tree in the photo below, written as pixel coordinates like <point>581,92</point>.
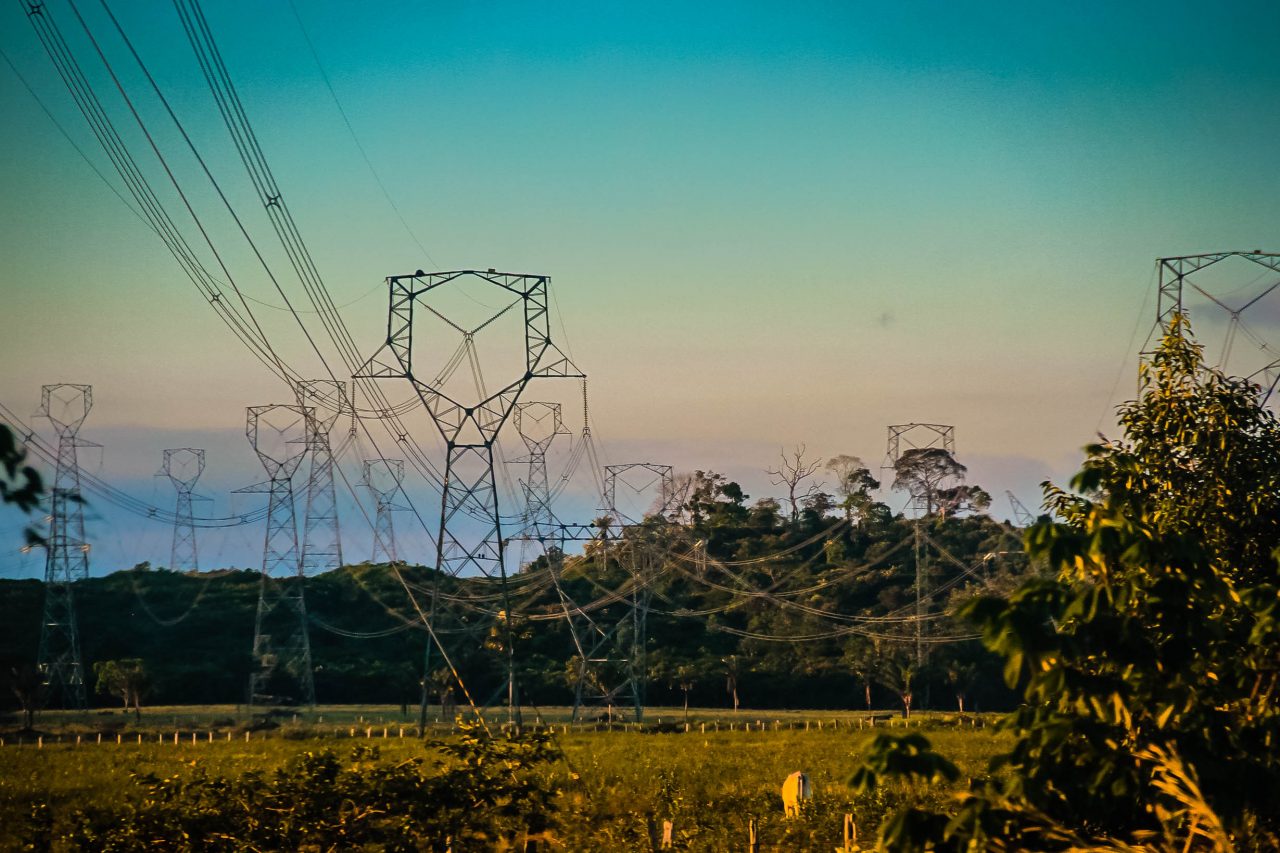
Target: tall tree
<point>125,678</point>
<point>1151,664</point>
<point>27,684</point>
<point>922,473</point>
<point>854,485</point>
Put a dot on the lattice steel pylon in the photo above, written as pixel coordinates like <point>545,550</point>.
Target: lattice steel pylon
<point>1022,516</point>
<point>470,426</point>
<point>383,477</point>
<point>321,538</point>
<point>281,668</point>
<point>918,436</point>
<point>1176,274</point>
<point>66,550</point>
<point>612,658</point>
<point>661,475</point>
<point>537,424</point>
<point>183,466</point>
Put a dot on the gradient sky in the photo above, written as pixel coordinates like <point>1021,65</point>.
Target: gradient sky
<point>765,224</point>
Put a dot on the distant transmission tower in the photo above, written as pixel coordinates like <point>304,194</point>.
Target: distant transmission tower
<point>67,552</point>
<point>612,659</point>
<point>280,435</point>
<point>538,424</point>
<point>1021,515</point>
<point>1189,271</point>
<point>183,466</point>
<point>382,477</point>
<point>470,532</point>
<point>654,475</point>
<point>904,437</point>
<point>321,541</point>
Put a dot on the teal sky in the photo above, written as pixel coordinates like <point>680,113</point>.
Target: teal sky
<point>765,223</point>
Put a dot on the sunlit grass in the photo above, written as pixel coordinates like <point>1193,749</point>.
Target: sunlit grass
<point>618,786</point>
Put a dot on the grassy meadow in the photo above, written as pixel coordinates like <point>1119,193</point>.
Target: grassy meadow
<point>618,783</point>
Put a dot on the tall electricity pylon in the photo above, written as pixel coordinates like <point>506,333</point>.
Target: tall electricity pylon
<point>1176,274</point>
<point>382,477</point>
<point>1021,515</point>
<point>538,424</point>
<point>183,466</point>
<point>67,552</point>
<point>904,437</point>
<point>653,473</point>
<point>470,531</point>
<point>280,435</point>
<point>612,657</point>
<point>321,541</point>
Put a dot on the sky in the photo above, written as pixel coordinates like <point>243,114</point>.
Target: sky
<point>766,225</point>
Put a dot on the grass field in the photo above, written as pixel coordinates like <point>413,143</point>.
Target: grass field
<point>618,784</point>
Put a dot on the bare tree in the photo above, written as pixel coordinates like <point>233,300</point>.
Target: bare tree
<point>792,472</point>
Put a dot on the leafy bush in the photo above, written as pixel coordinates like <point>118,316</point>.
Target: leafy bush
<point>1150,665</point>
<point>488,790</point>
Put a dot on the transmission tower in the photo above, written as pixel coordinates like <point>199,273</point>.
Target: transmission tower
<point>183,466</point>
<point>1178,274</point>
<point>1021,515</point>
<point>612,658</point>
<point>654,475</point>
<point>915,436</point>
<point>321,542</point>
<point>468,422</point>
<point>67,552</point>
<point>537,424</point>
<point>280,434</point>
<point>382,477</point>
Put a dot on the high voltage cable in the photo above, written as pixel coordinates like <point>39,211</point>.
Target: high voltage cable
<point>126,166</point>
<point>71,141</point>
<point>236,120</point>
<point>352,131</point>
<point>112,494</point>
<point>281,220</point>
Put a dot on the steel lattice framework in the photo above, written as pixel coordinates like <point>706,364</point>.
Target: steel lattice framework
<point>470,430</point>
<point>280,435</point>
<point>613,658</point>
<point>919,436</point>
<point>661,475</point>
<point>321,539</point>
<point>537,424</point>
<point>67,552</point>
<point>1177,274</point>
<point>383,477</point>
<point>183,466</point>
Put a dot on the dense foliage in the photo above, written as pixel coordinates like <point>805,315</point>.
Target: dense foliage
<point>709,628</point>
<point>1149,666</point>
<point>489,791</point>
